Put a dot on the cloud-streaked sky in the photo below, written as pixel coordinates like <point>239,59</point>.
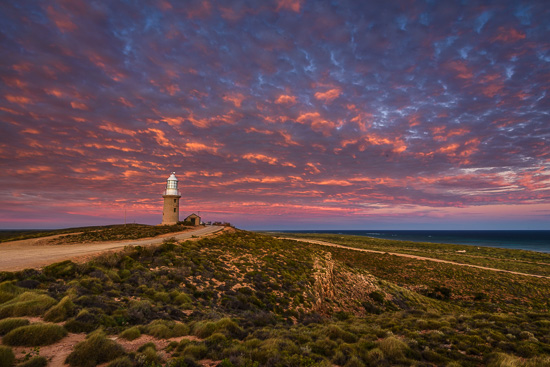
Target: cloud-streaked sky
<point>277,114</point>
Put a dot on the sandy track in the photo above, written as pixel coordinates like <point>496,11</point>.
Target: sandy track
<point>330,244</point>
<point>19,255</point>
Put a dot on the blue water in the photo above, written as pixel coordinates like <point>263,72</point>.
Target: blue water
<point>524,240</point>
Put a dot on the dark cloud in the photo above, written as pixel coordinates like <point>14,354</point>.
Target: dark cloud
<point>275,112</point>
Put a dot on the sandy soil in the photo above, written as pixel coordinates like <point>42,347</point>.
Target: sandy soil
<point>323,243</point>
<point>31,253</point>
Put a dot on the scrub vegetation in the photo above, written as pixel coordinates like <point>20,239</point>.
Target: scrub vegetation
<point>247,299</point>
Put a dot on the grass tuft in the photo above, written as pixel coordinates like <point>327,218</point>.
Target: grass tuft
<point>35,335</point>
<point>7,358</point>
<point>121,362</point>
<point>36,361</point>
<point>11,323</point>
<point>131,333</point>
<point>60,312</point>
<point>94,350</point>
<point>393,348</point>
<point>26,304</point>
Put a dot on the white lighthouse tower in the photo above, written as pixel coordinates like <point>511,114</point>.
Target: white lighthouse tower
<point>171,210</point>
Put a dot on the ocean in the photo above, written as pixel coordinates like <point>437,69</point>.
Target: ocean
<point>524,240</point>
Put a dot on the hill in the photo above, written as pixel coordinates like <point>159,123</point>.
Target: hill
<point>247,299</point>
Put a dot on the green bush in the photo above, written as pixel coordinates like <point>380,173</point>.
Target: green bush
<point>121,362</point>
<point>195,351</point>
<point>35,335</point>
<point>36,361</point>
<point>375,356</point>
<point>61,269</point>
<point>180,329</point>
<point>150,356</point>
<point>131,333</point>
<point>84,322</point>
<point>159,331</point>
<point>60,312</point>
<point>393,348</point>
<point>8,290</point>
<point>504,360</point>
<point>225,326</point>
<point>11,323</point>
<point>7,358</point>
<point>94,350</point>
<point>26,304</point>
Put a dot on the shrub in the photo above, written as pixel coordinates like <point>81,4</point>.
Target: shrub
<point>182,362</point>
<point>392,347</point>
<point>354,362</point>
<point>94,350</point>
<point>150,356</point>
<point>26,304</point>
<point>504,360</point>
<point>60,312</point>
<point>121,362</point>
<point>226,326</point>
<point>61,269</point>
<point>8,290</point>
<point>131,333</point>
<point>36,361</point>
<point>83,322</point>
<point>9,324</point>
<point>159,331</point>
<point>180,329</point>
<point>35,335</point>
<point>7,358</point>
<point>375,356</point>
<point>195,351</point>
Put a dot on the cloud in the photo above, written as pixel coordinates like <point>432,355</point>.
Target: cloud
<point>302,109</point>
<point>328,96</point>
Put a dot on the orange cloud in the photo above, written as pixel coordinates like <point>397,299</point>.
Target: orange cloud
<point>329,96</point>
<point>125,102</point>
<point>18,99</point>
<point>160,137</point>
<point>333,182</point>
<point>286,99</point>
<point>316,122</point>
<point>509,35</point>
<point>61,20</point>
<point>398,144</point>
<point>236,99</point>
<point>293,5</point>
<point>254,158</point>
<point>109,126</point>
<point>197,147</point>
<point>312,168</point>
<point>461,68</point>
<point>79,106</point>
<point>54,92</point>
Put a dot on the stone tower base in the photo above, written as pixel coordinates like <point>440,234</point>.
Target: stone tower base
<point>171,210</point>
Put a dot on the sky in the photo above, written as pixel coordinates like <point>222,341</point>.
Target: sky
<point>283,114</point>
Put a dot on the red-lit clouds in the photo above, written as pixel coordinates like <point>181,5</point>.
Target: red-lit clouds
<point>276,113</point>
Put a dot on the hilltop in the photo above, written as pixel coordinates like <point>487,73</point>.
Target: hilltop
<point>247,299</point>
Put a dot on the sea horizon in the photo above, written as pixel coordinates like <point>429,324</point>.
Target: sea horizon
<point>529,239</point>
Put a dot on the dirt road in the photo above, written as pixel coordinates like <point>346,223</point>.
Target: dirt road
<point>330,244</point>
<point>18,255</point>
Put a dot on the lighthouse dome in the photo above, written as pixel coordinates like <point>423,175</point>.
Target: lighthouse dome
<point>172,185</point>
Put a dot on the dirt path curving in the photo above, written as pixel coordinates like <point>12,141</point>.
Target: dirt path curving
<point>19,255</point>
<point>330,244</point>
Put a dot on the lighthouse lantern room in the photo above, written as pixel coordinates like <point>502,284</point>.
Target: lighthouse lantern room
<point>171,210</point>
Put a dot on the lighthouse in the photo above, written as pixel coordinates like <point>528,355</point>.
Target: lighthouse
<point>171,210</point>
